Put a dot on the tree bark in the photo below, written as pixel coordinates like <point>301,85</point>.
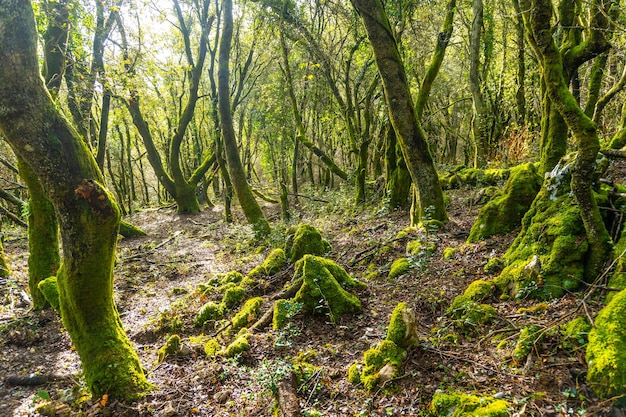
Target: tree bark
<point>248,203</point>
<point>89,217</point>
<point>412,139</point>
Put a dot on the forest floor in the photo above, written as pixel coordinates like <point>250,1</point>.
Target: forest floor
<point>156,279</point>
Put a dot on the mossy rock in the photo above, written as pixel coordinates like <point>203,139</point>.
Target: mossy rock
<point>237,346</point>
<point>323,286</point>
<point>305,240</point>
<point>505,210</point>
<point>171,347</point>
<point>606,351</point>
<point>50,291</point>
<point>232,276</point>
<point>548,256</point>
<point>209,311</point>
<point>479,290</point>
<point>274,262</point>
<point>419,247</point>
<point>460,405</point>
<point>248,313</point>
<point>212,348</point>
<point>402,328</point>
<point>449,252</point>
<point>233,296</point>
<point>468,314</point>
<point>529,336</point>
<point>380,363</point>
<point>398,267</point>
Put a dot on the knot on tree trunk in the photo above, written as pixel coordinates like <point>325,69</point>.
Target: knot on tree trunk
<point>96,197</point>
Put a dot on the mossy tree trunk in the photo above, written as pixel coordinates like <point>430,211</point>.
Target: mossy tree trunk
<point>412,139</point>
<point>4,266</point>
<point>87,213</point>
<point>43,236</point>
<point>248,203</point>
<point>398,178</point>
<point>537,18</point>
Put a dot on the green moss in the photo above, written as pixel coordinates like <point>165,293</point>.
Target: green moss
<point>209,311</point>
<point>505,210</point>
<point>466,405</point>
<point>171,347</point>
<point>549,255</point>
<point>238,346</point>
<point>398,267</point>
<point>402,328</point>
<point>284,310</point>
<point>449,253</point>
<point>212,348</point>
<point>248,313</point>
<point>479,290</point>
<point>618,278</point>
<point>275,261</point>
<point>469,314</point>
<point>233,296</point>
<point>575,332</point>
<point>306,240</point>
<point>494,265</point>
<point>50,291</point>
<point>529,336</point>
<point>322,287</point>
<point>354,373</point>
<point>464,176</point>
<point>606,350</point>
<point>231,276</point>
<point>419,247</point>
<point>538,308</point>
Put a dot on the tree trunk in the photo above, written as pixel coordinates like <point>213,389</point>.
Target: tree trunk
<point>43,236</point>
<point>429,198</point>
<point>4,267</point>
<point>480,123</point>
<point>88,215</point>
<point>537,18</point>
<point>248,203</point>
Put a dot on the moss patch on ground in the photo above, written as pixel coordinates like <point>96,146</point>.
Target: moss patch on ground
<point>458,404</point>
<point>506,208</point>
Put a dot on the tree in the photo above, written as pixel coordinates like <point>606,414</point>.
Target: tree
<point>538,18</point>
<point>429,202</point>
<point>182,189</point>
<point>248,203</point>
<point>89,217</point>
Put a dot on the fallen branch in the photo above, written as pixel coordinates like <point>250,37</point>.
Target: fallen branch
<point>286,397</point>
<point>13,217</point>
<point>152,250</point>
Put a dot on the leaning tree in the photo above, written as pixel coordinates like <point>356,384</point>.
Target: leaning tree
<point>88,215</point>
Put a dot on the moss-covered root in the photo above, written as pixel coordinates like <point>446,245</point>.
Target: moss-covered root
<point>322,287</point>
<point>171,347</point>
<point>458,404</point>
<point>606,351</point>
<point>506,208</point>
<point>402,328</point>
<point>129,230</point>
<point>50,290</point>
<point>274,262</point>
<point>304,240</point>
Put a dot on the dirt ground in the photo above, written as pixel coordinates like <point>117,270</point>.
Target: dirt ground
<point>156,279</point>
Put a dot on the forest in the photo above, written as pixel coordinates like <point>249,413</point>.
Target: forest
<point>312,208</point>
